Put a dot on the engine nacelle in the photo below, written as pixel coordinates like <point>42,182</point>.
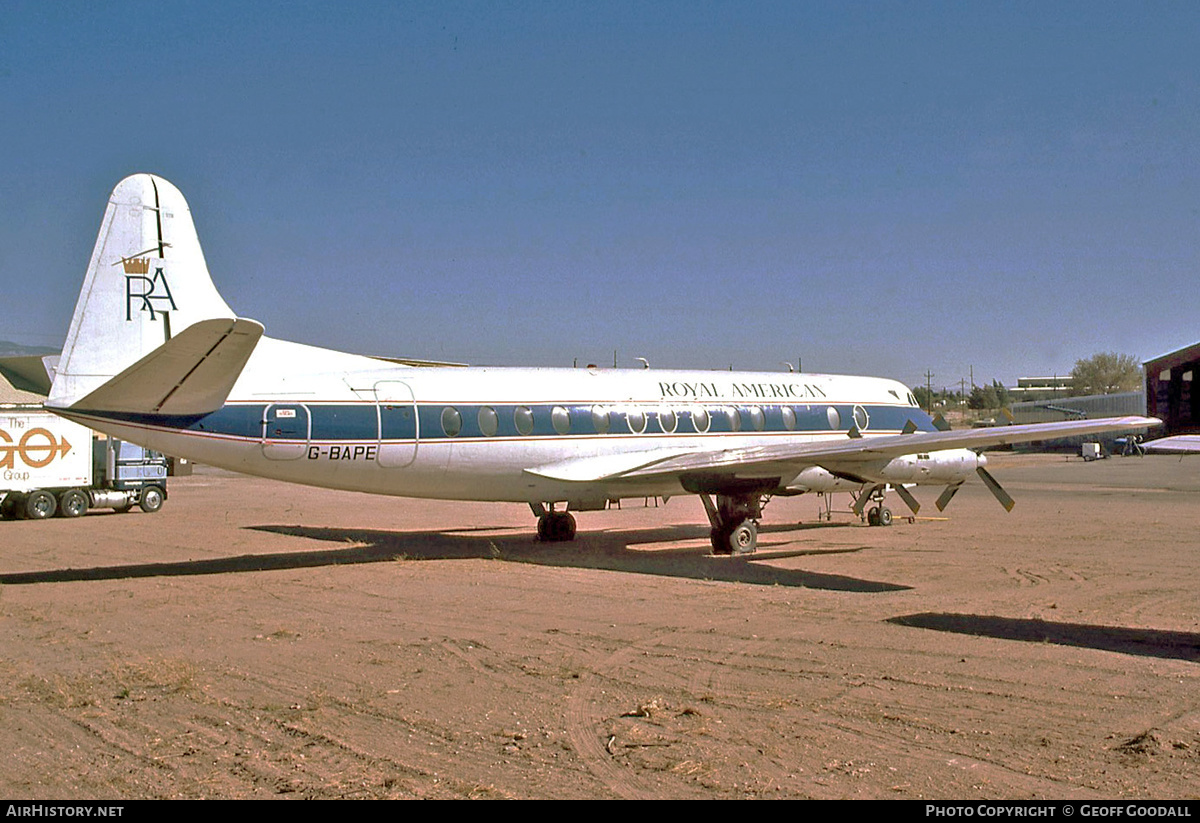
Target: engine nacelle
<point>816,479</point>
<point>944,468</point>
<point>948,467</point>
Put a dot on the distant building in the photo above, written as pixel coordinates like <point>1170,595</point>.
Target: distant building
<point>1078,408</point>
<point>1169,390</point>
<point>1040,388</point>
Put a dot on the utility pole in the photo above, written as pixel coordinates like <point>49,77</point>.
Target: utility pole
<point>929,391</point>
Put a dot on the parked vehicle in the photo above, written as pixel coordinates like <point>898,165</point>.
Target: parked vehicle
<point>51,466</point>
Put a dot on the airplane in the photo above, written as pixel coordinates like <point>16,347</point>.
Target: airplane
<point>155,356</point>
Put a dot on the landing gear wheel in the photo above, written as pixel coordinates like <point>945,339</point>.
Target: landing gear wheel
<point>743,539</point>
<point>152,499</point>
<point>39,505</point>
<point>719,537</point>
<point>873,516</point>
<point>556,527</point>
<point>885,516</point>
<point>72,503</point>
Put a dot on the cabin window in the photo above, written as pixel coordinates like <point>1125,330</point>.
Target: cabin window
<point>451,421</point>
<point>667,420</point>
<point>757,418</point>
<point>861,418</point>
<point>789,418</point>
<point>561,419</point>
<point>489,421</point>
<point>600,419</point>
<point>835,419</point>
<point>734,419</point>
<point>637,420</point>
<point>523,419</point>
<point>700,420</point>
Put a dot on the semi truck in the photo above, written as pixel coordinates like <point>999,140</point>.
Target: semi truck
<point>51,466</point>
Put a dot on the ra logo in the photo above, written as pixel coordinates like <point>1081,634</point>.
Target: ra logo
<point>146,288</point>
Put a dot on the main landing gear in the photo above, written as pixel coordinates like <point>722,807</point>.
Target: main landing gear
<point>734,520</point>
<point>554,527</point>
<point>878,514</point>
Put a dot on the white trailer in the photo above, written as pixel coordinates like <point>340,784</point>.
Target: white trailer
<point>50,466</point>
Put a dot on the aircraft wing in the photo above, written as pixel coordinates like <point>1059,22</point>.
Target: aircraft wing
<point>1177,444</point>
<point>778,459</point>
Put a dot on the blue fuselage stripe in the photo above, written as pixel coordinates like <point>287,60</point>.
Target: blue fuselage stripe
<point>363,422</point>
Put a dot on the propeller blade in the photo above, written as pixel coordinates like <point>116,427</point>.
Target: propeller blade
<point>996,489</point>
<point>940,423</point>
<point>944,500</point>
<point>908,499</point>
<point>909,427</point>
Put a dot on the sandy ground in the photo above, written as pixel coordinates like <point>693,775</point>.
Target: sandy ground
<point>261,640</point>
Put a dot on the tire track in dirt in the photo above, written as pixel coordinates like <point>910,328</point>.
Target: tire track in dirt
<point>585,717</point>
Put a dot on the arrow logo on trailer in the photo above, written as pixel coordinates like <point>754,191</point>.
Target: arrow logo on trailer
<point>36,448</point>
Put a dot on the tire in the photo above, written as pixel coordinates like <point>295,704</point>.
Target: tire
<point>556,527</point>
<point>873,516</point>
<point>8,506</point>
<point>885,516</point>
<point>39,505</point>
<point>566,531</point>
<point>152,499</point>
<point>719,538</point>
<point>743,538</point>
<point>72,503</point>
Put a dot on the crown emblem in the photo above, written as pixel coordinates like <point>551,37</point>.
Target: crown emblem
<point>136,265</point>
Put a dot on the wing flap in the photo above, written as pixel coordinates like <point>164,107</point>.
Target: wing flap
<point>602,467</point>
<point>192,373</point>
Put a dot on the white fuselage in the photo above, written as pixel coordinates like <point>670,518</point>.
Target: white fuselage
<point>324,418</point>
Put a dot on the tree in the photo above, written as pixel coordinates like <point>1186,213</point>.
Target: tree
<point>994,396</point>
<point>1106,373</point>
<point>924,397</point>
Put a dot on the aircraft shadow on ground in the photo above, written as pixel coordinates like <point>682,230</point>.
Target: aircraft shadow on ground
<point>603,550</point>
<point>1142,642</point>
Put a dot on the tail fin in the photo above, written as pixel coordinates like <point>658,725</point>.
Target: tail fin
<point>147,281</point>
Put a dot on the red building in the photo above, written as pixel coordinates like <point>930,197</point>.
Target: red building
<point>1169,390</point>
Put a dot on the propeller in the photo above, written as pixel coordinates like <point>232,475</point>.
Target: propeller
<point>996,489</point>
<point>947,494</point>
<point>907,497</point>
<point>992,485</point>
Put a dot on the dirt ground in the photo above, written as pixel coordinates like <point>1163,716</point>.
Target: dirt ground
<point>257,640</point>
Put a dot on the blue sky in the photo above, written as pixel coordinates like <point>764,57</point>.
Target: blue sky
<point>877,188</point>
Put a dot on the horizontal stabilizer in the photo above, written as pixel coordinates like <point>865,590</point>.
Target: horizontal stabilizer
<point>192,373</point>
<point>31,372</point>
